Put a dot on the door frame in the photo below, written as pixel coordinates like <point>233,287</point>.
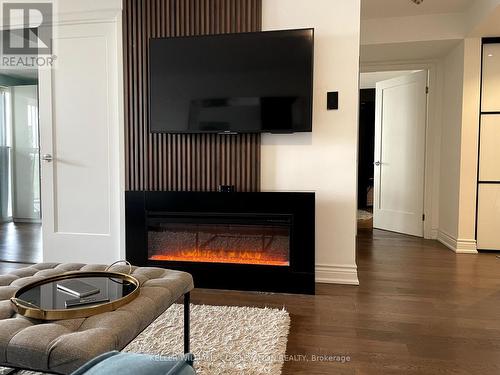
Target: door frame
<point>432,136</point>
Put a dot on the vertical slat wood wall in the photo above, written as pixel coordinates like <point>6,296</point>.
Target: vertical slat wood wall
<point>191,162</point>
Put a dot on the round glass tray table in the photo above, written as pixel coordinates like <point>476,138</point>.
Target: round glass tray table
<point>46,300</point>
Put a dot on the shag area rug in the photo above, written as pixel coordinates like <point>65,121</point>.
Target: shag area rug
<point>364,215</point>
<point>225,340</point>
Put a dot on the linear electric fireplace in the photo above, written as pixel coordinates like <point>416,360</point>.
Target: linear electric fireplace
<point>249,241</point>
<point>230,239</point>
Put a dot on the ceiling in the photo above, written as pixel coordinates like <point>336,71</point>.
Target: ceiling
<point>411,51</point>
<point>402,8</point>
<point>490,26</point>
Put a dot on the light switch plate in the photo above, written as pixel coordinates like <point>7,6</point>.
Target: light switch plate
<point>332,100</point>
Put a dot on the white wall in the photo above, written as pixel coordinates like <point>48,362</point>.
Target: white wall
<point>469,145</point>
<point>325,160</point>
<point>458,180</point>
<point>453,66</point>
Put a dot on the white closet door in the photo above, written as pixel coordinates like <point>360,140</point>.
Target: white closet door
<point>490,101</point>
<point>488,217</point>
<point>489,155</point>
<point>488,199</point>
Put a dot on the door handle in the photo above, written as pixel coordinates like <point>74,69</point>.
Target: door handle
<point>377,163</point>
<point>47,157</point>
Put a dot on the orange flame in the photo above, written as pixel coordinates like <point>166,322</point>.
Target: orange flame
<point>222,256</point>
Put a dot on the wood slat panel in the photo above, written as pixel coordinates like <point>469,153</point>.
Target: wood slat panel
<point>195,162</point>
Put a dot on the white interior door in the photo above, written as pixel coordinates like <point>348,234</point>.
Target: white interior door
<point>400,122</point>
<point>80,146</point>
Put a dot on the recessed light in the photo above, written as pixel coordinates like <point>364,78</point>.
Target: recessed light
<point>490,55</point>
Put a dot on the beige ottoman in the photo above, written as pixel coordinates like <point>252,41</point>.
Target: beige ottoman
<point>64,345</point>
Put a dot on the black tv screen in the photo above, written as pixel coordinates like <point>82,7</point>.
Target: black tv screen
<point>241,83</point>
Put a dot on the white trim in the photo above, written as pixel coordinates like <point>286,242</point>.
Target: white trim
<point>121,147</point>
<point>459,246</point>
<point>68,16</point>
<point>337,274</point>
<point>111,18</point>
<point>447,240</point>
<point>378,66</point>
<point>466,246</point>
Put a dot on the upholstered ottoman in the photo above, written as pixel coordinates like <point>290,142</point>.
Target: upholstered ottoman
<point>64,345</point>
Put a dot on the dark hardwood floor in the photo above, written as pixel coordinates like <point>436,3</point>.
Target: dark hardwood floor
<point>419,309</point>
<point>20,242</point>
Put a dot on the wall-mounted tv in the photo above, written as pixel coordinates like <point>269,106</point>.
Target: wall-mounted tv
<point>232,83</point>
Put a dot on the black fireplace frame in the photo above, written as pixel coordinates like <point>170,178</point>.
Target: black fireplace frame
<point>298,277</point>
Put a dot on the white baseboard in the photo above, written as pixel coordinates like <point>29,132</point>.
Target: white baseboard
<point>337,274</point>
<point>466,246</point>
<point>459,246</point>
<point>447,240</point>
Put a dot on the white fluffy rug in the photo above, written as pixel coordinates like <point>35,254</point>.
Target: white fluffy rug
<point>225,340</point>
<point>364,215</point>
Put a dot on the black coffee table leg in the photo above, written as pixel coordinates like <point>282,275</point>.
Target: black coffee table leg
<point>186,321</point>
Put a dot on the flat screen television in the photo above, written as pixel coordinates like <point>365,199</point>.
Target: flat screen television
<point>232,83</point>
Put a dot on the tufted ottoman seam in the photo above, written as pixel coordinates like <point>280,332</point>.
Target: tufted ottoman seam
<point>15,334</point>
<point>80,326</point>
<point>8,344</point>
<point>53,343</point>
<point>135,313</point>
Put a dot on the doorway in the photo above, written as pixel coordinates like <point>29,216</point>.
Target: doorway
<point>20,199</point>
<point>366,141</point>
<point>392,126</point>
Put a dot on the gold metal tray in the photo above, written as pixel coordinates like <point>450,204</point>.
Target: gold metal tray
<point>29,310</point>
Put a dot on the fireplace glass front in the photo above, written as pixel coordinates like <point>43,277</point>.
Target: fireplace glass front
<point>257,240</point>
